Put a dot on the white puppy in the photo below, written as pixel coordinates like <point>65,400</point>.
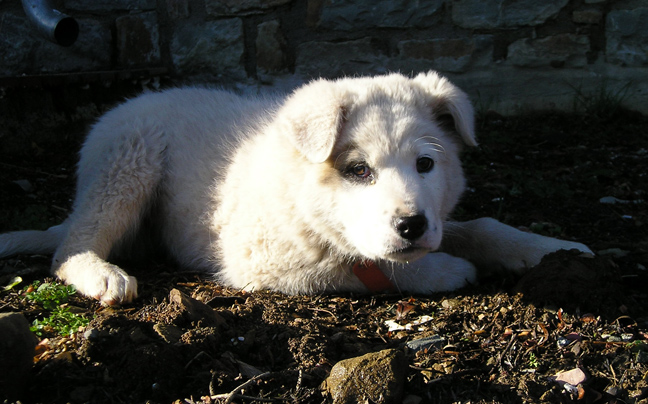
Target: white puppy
<point>289,194</point>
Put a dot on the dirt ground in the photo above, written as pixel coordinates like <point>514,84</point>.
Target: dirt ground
<point>504,340</point>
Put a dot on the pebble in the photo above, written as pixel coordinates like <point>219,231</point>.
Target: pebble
<point>194,310</point>
<point>169,333</point>
<point>563,342</point>
<point>642,357</point>
<point>91,334</point>
<point>614,391</point>
<point>25,185</point>
<point>613,201</point>
<point>615,252</point>
<point>573,377</point>
<point>434,342</point>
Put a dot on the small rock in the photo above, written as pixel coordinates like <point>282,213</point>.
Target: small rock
<point>627,337</point>
<point>562,342</point>
<point>247,370</point>
<point>82,394</point>
<point>94,334</point>
<point>615,252</point>
<point>16,354</point>
<point>612,200</point>
<point>138,336</point>
<point>25,185</point>
<point>614,391</point>
<point>450,303</point>
<point>169,333</point>
<point>642,357</point>
<point>375,377</point>
<point>434,342</point>
<point>91,334</point>
<point>412,399</point>
<point>195,310</point>
<point>573,377</point>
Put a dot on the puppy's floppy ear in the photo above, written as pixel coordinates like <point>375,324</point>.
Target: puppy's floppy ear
<point>446,99</point>
<point>313,117</point>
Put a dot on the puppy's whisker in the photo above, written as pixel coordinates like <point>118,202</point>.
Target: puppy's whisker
<point>432,141</point>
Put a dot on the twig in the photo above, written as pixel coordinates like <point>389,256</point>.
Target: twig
<point>235,393</point>
<point>195,358</point>
<point>298,385</point>
<point>455,374</point>
<point>508,346</point>
<point>324,311</point>
<point>229,397</point>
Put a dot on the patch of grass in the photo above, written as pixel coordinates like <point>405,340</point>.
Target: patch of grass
<point>53,297</point>
<point>603,103</point>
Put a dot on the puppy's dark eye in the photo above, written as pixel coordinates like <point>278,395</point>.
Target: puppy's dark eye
<point>424,164</point>
<point>361,171</point>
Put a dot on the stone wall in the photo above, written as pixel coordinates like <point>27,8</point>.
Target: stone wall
<point>510,55</point>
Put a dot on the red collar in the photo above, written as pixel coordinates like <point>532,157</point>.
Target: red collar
<point>372,277</point>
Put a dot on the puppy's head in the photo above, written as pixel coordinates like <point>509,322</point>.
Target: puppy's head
<point>386,153</point>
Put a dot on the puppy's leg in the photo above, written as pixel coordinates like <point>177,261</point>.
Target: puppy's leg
<point>489,243</point>
<point>32,241</point>
<point>435,272</point>
<point>110,207</point>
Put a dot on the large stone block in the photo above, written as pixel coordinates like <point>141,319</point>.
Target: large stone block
<point>510,90</point>
<point>565,50</point>
<point>238,7</point>
<point>16,45</point>
<point>446,55</point>
<point>138,39</point>
<point>504,13</point>
<point>350,15</point>
<point>177,9</point>
<point>336,59</point>
<point>270,47</point>
<point>587,16</point>
<point>110,6</point>
<point>213,48</point>
<point>626,34</point>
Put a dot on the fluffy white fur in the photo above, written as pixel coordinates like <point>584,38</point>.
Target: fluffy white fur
<point>285,193</point>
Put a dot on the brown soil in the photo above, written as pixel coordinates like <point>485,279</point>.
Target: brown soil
<point>504,339</point>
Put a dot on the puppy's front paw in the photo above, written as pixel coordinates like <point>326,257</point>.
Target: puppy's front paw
<point>436,272</point>
<point>97,278</point>
<point>452,273</point>
<point>113,286</point>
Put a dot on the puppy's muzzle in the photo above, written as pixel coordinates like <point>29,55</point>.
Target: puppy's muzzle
<point>411,227</point>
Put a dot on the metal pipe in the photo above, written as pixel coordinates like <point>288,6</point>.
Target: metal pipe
<point>52,24</point>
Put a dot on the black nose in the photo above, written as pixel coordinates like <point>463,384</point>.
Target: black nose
<point>411,227</point>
